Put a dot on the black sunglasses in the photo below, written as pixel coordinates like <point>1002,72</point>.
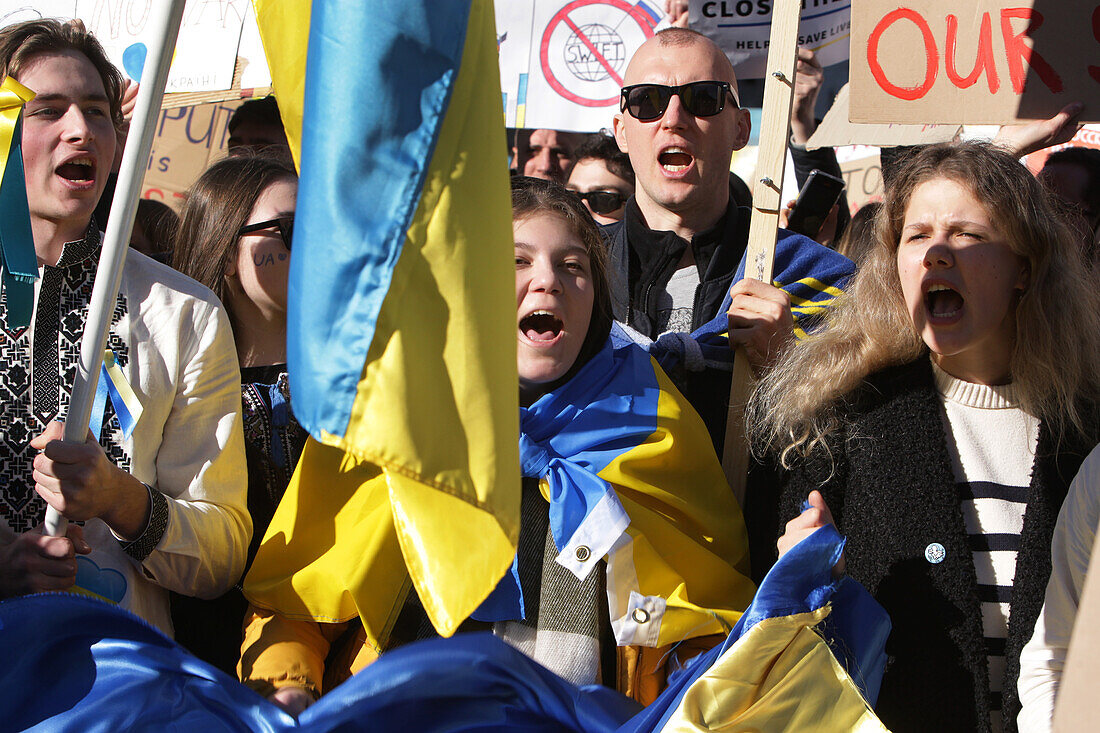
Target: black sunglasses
<point>648,102</point>
<point>284,223</point>
<point>602,202</point>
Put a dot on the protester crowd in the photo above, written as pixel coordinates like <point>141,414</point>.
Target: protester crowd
<point>932,392</point>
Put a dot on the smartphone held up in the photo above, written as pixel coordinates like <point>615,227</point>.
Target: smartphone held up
<point>816,199</point>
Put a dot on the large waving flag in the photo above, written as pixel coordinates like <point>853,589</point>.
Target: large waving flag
<point>808,654</point>
<point>284,32</point>
<point>401,335</point>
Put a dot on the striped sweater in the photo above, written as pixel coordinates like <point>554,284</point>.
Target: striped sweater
<point>888,479</point>
<point>992,446</point>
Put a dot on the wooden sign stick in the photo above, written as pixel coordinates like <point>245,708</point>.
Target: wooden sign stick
<point>766,203</point>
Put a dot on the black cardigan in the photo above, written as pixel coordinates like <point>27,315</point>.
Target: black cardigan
<point>892,493</point>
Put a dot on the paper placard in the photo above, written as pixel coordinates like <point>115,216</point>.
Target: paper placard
<point>863,181</point>
<point>188,140</point>
<point>741,29</point>
<point>561,63</point>
<point>206,50</point>
<point>982,62</point>
<point>835,130</point>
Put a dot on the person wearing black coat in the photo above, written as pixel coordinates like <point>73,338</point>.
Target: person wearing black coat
<point>892,494</point>
<point>937,420</point>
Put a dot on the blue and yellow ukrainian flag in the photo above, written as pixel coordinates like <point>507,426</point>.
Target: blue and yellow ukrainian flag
<point>813,276</point>
<point>401,334</point>
<point>629,472</point>
<point>17,258</point>
<point>808,654</point>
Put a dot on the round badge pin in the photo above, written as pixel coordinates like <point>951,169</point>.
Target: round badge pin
<point>935,553</point>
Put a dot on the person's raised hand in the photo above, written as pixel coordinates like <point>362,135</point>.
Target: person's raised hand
<point>292,699</point>
<point>676,12</point>
<point>36,563</point>
<point>808,78</point>
<point>129,102</point>
<point>813,518</point>
<point>760,320</point>
<point>1020,140</point>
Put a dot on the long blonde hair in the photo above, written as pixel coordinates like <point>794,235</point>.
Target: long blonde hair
<point>1055,361</point>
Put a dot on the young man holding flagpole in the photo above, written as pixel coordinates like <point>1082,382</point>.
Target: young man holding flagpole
<point>161,493</point>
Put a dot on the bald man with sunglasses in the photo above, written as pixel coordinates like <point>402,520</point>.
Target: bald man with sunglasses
<point>681,239</point>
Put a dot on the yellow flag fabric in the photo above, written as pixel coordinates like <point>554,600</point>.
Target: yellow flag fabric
<point>284,32</point>
<point>687,542</point>
<point>781,677</point>
<point>13,96</point>
<point>401,332</point>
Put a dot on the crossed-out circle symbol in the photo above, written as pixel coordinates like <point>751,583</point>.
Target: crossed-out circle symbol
<point>595,38</point>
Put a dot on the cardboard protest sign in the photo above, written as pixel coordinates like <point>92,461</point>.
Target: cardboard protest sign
<point>988,62</point>
<point>1087,137</point>
<point>206,50</point>
<point>741,28</point>
<point>561,63</point>
<point>835,130</point>
<point>863,181</point>
<point>188,140</point>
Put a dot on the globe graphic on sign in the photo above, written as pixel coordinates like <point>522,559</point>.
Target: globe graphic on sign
<point>581,58</point>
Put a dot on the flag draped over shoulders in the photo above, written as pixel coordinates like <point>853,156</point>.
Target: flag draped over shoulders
<point>680,570</point>
<point>401,325</point>
<point>629,472</point>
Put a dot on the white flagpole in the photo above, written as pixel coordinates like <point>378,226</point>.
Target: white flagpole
<point>116,241</point>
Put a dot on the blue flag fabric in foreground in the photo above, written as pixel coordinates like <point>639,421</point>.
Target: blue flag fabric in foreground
<point>807,690</point>
<point>76,664</point>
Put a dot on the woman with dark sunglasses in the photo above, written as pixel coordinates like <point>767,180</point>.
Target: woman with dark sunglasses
<point>234,237</point>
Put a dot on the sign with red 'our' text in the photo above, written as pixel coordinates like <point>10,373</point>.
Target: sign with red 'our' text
<point>979,62</point>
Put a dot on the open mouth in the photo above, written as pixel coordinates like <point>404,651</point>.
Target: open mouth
<point>943,302</point>
<point>541,327</point>
<point>78,170</point>
<point>675,160</point>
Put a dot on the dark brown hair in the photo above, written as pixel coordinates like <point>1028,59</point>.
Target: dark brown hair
<point>263,111</point>
<point>159,224</point>
<point>532,196</point>
<point>218,205</point>
<point>599,146</point>
<point>22,42</point>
